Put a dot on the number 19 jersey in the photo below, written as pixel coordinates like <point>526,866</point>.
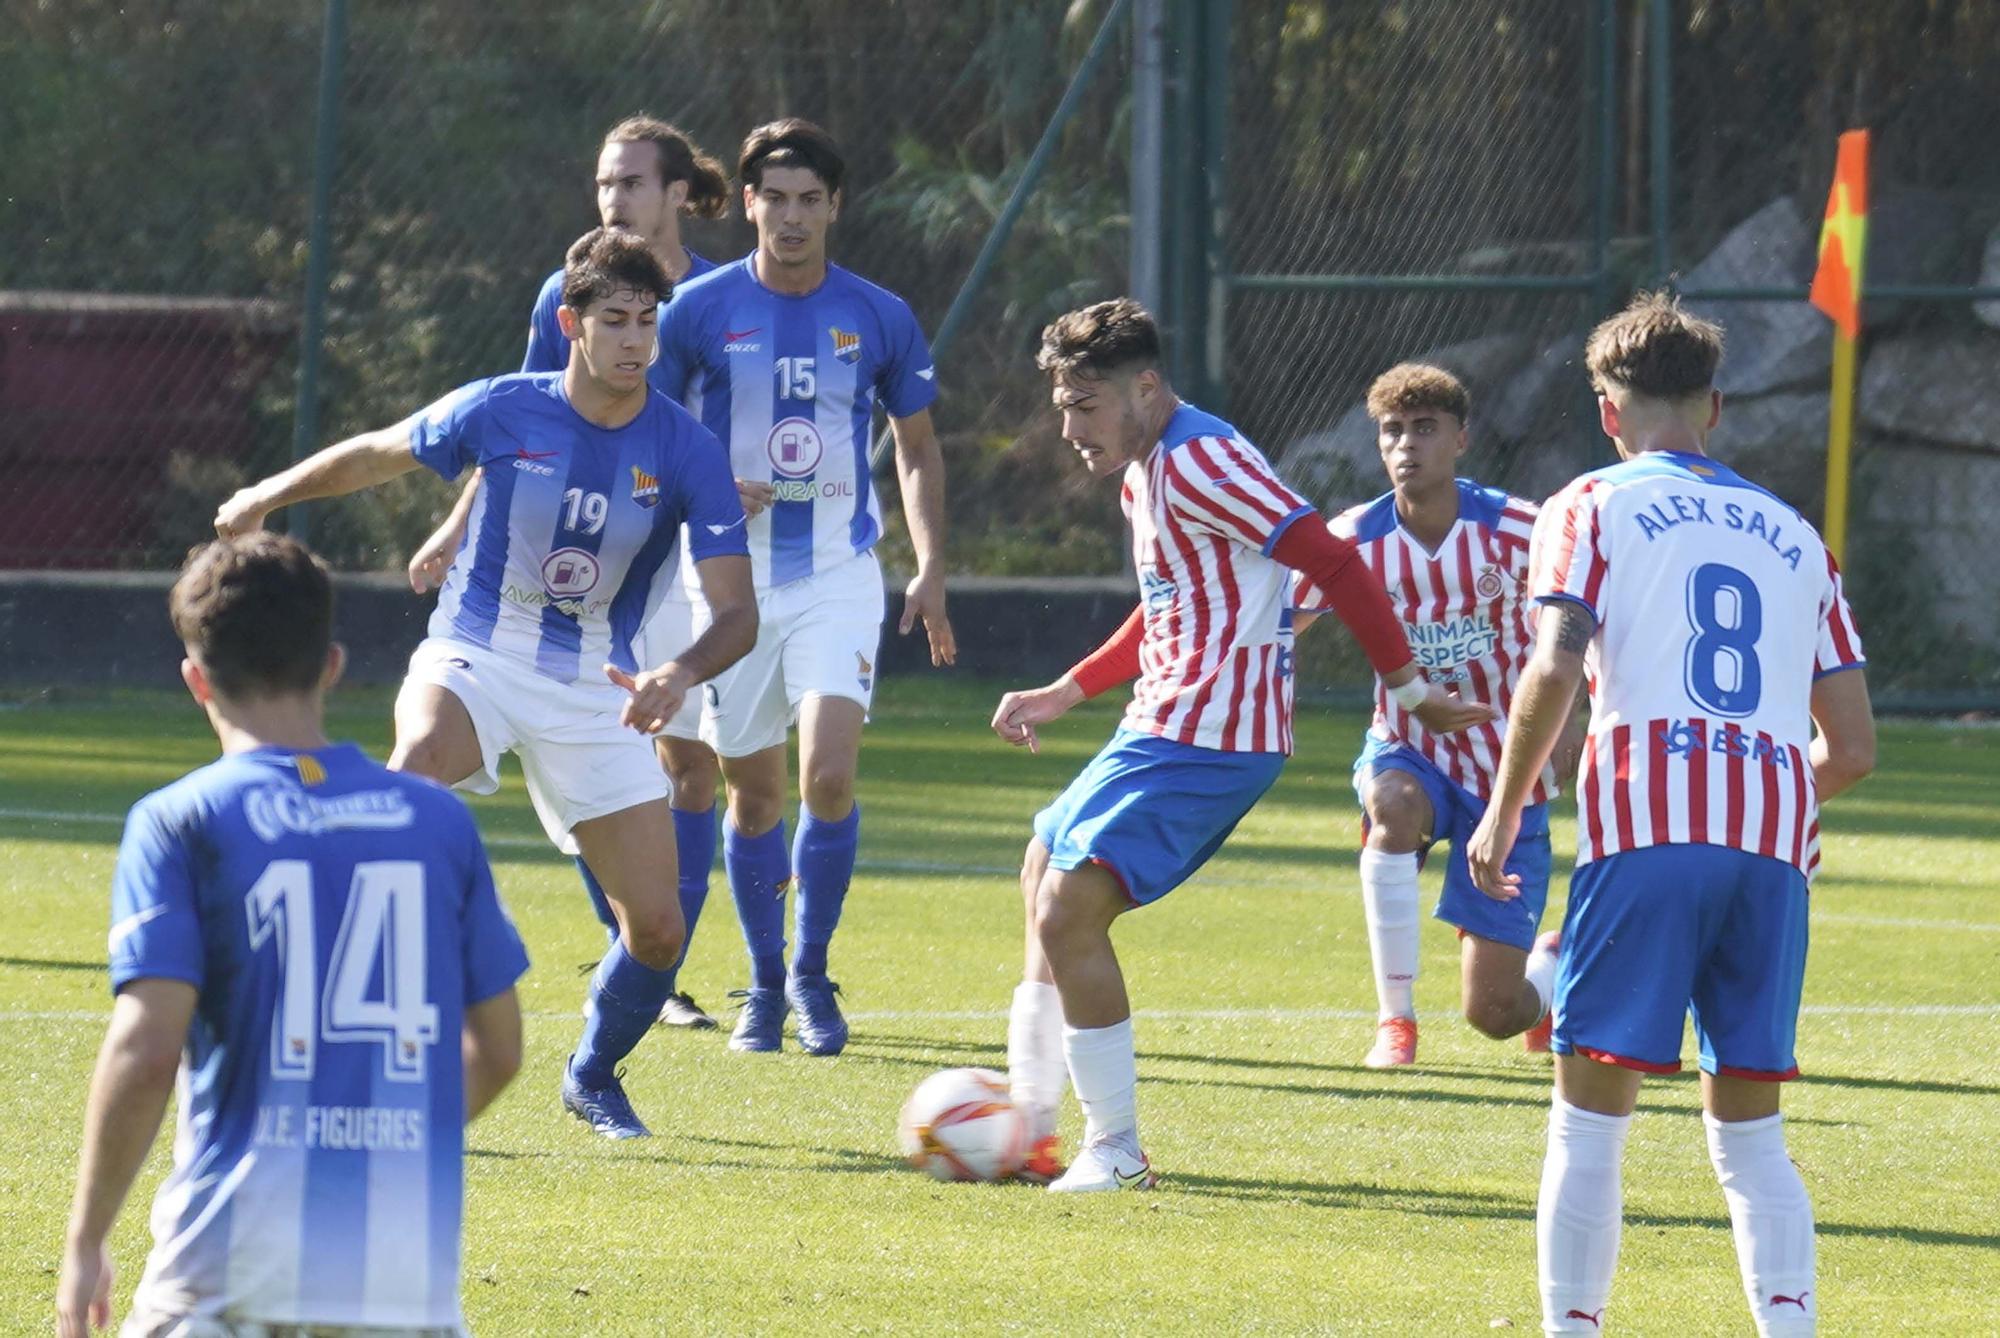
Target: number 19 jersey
<point>790,382</point>
<point>336,919</point>
<point>1717,607</point>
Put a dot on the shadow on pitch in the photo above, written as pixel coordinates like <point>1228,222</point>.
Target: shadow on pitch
<point>50,964</point>
<point>1452,1203</point>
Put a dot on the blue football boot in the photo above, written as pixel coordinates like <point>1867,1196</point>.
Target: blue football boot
<point>760,1024</point>
<point>822,1030</point>
<point>605,1109</point>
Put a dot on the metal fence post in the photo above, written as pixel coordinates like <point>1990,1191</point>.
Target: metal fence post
<point>312,337</point>
<point>1660,78</point>
<point>1149,98</point>
<point>1213,385</point>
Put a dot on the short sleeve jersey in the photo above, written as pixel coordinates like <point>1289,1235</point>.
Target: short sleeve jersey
<point>1717,607</point>
<point>1216,659</point>
<point>790,384</point>
<point>1466,612</point>
<point>565,552</point>
<point>337,919</point>
<point>548,351</point>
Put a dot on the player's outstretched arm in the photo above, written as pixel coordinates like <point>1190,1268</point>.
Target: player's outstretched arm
<point>348,466</point>
<point>1336,573</point>
<point>1113,663</point>
<point>732,631</point>
<point>128,1095</point>
<point>491,1042</point>
<point>430,562</point>
<point>920,470</point>
<point>1542,701</point>
<point>1843,752</point>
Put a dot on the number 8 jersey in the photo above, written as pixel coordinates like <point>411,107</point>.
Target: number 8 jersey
<point>337,919</point>
<point>1717,607</point>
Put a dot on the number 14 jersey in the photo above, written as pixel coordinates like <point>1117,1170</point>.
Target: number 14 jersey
<point>336,920</point>
<point>1717,608</point>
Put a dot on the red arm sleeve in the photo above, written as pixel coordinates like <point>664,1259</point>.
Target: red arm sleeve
<point>1114,662</point>
<point>1335,566</point>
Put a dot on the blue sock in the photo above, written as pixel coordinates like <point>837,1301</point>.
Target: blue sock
<point>758,869</point>
<point>625,998</point>
<point>598,901</point>
<point>694,842</point>
<point>824,858</point>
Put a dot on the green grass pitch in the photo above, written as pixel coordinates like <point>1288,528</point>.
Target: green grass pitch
<point>1301,1192</point>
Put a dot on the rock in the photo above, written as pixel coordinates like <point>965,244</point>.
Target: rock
<point>1771,345</point>
<point>1989,277</point>
<point>1942,384</point>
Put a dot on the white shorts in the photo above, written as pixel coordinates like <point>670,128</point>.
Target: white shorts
<point>579,762</point>
<point>144,1323</point>
<point>666,634</point>
<point>816,637</point>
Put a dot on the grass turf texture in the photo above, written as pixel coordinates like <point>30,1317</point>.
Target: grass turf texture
<point>1301,1191</point>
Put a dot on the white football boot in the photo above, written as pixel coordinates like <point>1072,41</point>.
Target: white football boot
<point>1114,1162</point>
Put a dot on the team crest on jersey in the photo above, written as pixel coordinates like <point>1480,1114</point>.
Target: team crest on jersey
<point>645,488</point>
<point>309,769</point>
<point>846,346</point>
<point>1489,584</point>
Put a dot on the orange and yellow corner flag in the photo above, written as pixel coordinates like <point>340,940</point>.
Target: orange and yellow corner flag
<point>1843,239</point>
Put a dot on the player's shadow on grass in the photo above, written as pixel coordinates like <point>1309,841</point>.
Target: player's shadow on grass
<point>926,1051</point>
<point>835,1161</point>
<point>1457,1203</point>
<point>1817,1079</point>
<point>50,964</point>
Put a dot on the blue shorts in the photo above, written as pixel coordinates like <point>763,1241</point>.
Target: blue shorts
<point>1656,932</point>
<point>1455,812</point>
<point>1152,810</point>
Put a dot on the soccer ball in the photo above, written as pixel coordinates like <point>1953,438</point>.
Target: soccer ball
<point>961,1125</point>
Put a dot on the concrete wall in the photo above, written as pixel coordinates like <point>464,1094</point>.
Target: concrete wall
<point>109,629</point>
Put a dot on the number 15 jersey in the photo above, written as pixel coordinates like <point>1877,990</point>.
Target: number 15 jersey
<point>1717,607</point>
<point>790,384</point>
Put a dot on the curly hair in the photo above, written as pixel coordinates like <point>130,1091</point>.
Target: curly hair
<point>1409,386</point>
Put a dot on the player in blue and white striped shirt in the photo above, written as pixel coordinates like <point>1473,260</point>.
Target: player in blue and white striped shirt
<point>648,175</point>
<point>313,944</point>
<point>589,476</point>
<point>786,358</point>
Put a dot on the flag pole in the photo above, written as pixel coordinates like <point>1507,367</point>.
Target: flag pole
<point>1839,444</point>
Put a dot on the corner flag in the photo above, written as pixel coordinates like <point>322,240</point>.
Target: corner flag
<point>1836,290</point>
<point>1843,239</point>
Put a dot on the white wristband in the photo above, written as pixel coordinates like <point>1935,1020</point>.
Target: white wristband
<point>1411,695</point>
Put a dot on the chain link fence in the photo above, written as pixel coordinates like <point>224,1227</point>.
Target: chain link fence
<point>1476,182</point>
<point>157,211</point>
<point>1469,181</point>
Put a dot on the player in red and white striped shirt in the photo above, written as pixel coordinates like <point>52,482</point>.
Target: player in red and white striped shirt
<point>1214,540</point>
<point>1454,557</point>
<point>1714,633</point>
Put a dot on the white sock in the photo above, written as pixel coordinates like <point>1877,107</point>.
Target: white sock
<point>1541,973</point>
<point>1036,1074</point>
<point>1773,1221</point>
<point>1389,898</point>
<point>1578,1216</point>
<point>1105,1071</point>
